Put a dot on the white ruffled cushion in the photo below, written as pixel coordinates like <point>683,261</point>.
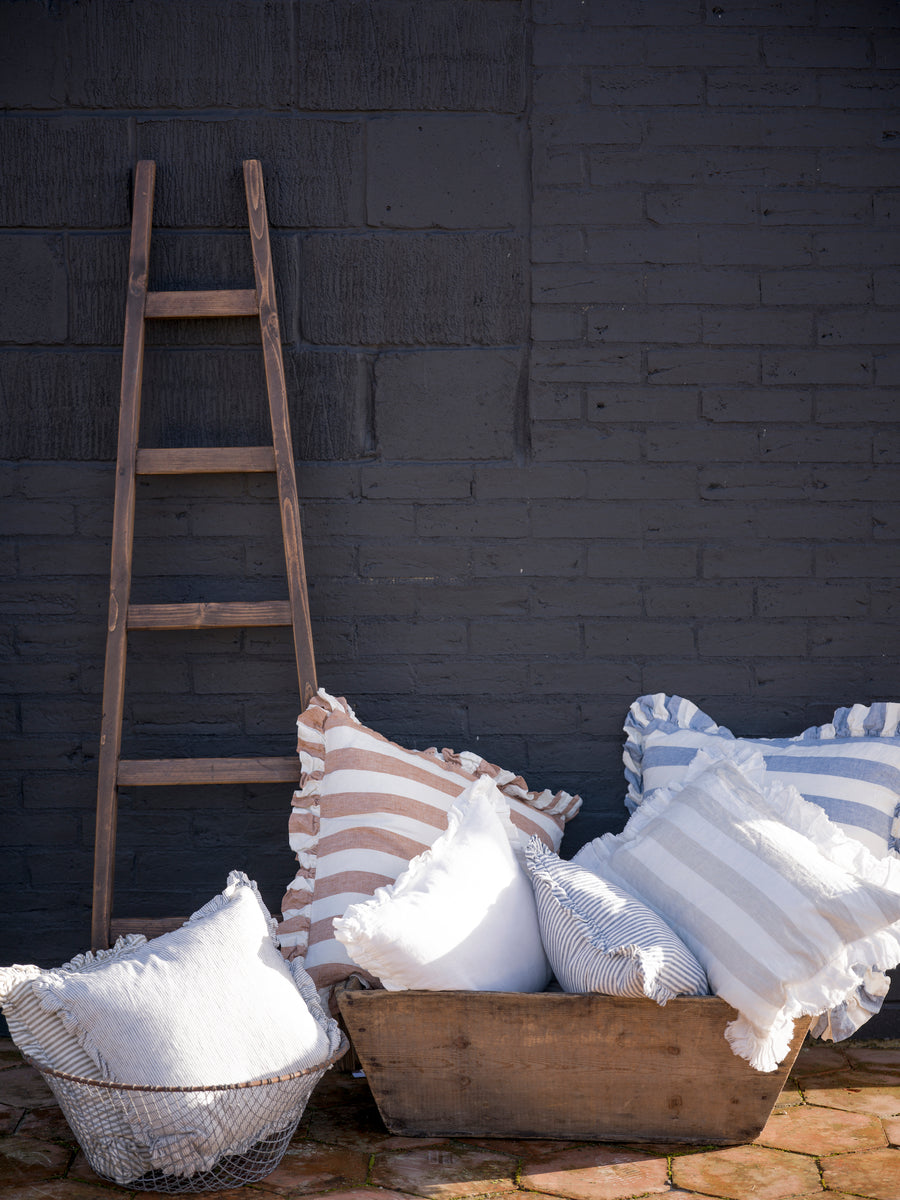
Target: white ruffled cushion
<point>210,1003</point>
<point>785,912</point>
<point>601,939</point>
<point>461,916</point>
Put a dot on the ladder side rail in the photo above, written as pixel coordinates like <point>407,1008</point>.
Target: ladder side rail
<point>121,555</point>
<point>281,434</point>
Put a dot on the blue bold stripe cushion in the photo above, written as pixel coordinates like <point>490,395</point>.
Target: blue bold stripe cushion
<point>599,938</point>
<point>850,767</point>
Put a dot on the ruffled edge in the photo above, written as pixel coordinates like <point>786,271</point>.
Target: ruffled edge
<point>649,713</point>
<point>304,823</point>
<point>841,976</point>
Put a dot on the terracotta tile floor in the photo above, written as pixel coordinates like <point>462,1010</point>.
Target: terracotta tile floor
<point>834,1135</point>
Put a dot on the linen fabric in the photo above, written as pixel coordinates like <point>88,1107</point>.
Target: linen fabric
<point>364,809</point>
<point>599,938</point>
<point>210,1003</point>
<point>850,767</point>
<point>462,915</point>
<point>782,909</point>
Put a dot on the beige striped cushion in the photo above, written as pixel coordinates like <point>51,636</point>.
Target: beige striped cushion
<point>364,808</point>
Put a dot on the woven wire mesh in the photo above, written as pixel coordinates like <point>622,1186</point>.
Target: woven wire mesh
<point>156,1139</point>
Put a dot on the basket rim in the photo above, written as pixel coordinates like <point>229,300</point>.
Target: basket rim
<point>111,1084</point>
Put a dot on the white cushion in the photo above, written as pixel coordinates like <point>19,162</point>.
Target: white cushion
<point>210,1003</point>
<point>784,911</point>
<point>461,916</point>
<point>601,939</point>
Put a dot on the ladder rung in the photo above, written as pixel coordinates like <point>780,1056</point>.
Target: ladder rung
<point>233,302</point>
<point>205,460</point>
<point>150,927</point>
<point>209,615</point>
<point>142,772</point>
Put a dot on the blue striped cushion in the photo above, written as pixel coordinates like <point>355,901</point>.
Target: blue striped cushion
<point>849,767</point>
<point>598,938</point>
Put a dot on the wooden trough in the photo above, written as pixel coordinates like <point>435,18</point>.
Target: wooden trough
<point>552,1065</point>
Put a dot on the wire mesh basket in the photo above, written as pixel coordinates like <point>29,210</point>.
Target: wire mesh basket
<point>184,1139</point>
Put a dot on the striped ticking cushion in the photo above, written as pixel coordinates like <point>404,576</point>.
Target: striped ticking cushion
<point>367,806</point>
<point>776,902</point>
<point>850,767</point>
<point>601,939</point>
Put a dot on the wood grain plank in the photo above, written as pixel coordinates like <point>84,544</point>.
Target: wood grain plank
<point>281,432</point>
<point>233,302</point>
<point>210,615</point>
<point>145,772</point>
<point>204,460</point>
<point>121,551</point>
<point>555,1065</point>
<point>150,927</point>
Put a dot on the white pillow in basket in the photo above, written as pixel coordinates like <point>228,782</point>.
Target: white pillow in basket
<point>461,916</point>
<point>210,1003</point>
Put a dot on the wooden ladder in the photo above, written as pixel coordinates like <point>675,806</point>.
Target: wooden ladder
<point>143,305</point>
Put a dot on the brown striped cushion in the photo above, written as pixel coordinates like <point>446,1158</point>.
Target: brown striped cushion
<point>365,807</point>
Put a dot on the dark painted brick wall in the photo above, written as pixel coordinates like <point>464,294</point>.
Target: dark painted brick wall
<point>590,323</point>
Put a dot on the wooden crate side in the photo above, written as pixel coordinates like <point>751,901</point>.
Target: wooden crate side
<point>560,1066</point>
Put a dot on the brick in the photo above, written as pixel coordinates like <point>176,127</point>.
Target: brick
<point>211,192</point>
<point>34,304</point>
<point>457,289</point>
<point>854,639</point>
<point>775,559</point>
<point>703,127</point>
<point>559,245</point>
<point>646,323</point>
<point>416,482</point>
<point>584,518</point>
<point>552,717</point>
<point>643,246</point>
<point>31,149</point>
<point>887,368</point>
<point>411,637</point>
<point>781,88</point>
<point>702,681</point>
<point>525,637</point>
<point>844,50</point>
<point>815,207</point>
<point>551,559</point>
<point>585,445</point>
<point>824,445</point>
<point>580,126</point>
<point>757,405</point>
<point>480,48</point>
<point>690,166</point>
<point>586,598</point>
<point>699,601</point>
<point>855,326</point>
<point>887,286</point>
<point>482,519</point>
<point>821,127</point>
<point>754,638</point>
<point>638,638</point>
<point>527,483</point>
<point>633,560</point>
<point>819,366</point>
<point>884,521</point>
<point>696,285</point>
<point>566,283</point>
<point>437,171</point>
<point>560,85</point>
<point>72,556</point>
<point>646,12</point>
<point>459,678</point>
<point>612,365</point>
<point>816,286</point>
<point>730,327</point>
<point>758,482</point>
<point>846,483</point>
<point>845,681</point>
<point>32,57</point>
<point>214,57</point>
<point>508,598</point>
<point>642,481</point>
<point>842,169</point>
<point>860,89</point>
<point>647,86</point>
<point>557,402</point>
<point>555,325</point>
<point>641,404</point>
<point>413,561</point>
<point>813,598</point>
<point>691,47</point>
<point>564,47</point>
<point>763,13</point>
<point>32,518</point>
<point>703,206</point>
<point>702,365</point>
<point>586,206</point>
<point>478,386</point>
